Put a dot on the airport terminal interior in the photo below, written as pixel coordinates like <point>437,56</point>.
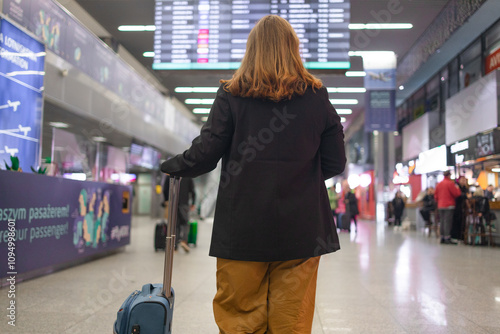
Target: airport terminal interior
<point>96,94</point>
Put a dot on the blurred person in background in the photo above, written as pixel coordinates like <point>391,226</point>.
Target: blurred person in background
<point>398,204</point>
<point>341,207</point>
<point>428,206</point>
<point>351,201</point>
<point>488,193</point>
<point>445,195</point>
<point>481,209</point>
<point>186,193</point>
<point>461,209</point>
<point>334,201</point>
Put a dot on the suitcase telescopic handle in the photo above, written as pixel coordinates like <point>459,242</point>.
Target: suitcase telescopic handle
<point>173,205</point>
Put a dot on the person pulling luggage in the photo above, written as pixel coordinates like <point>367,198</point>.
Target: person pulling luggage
<point>279,138</point>
<point>186,192</point>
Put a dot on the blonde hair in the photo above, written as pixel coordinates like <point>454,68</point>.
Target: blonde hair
<point>272,67</point>
<point>479,191</point>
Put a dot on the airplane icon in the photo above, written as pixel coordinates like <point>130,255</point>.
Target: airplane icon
<point>12,105</point>
<point>382,76</point>
<point>11,151</point>
<point>24,129</point>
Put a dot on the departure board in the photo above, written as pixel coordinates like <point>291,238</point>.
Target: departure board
<point>212,34</point>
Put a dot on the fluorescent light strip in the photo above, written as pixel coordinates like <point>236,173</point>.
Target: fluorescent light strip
<point>99,139</point>
<point>343,119</point>
<point>343,101</point>
<point>137,28</point>
<point>148,54</point>
<point>344,111</point>
<point>196,89</point>
<point>361,26</point>
<point>355,73</point>
<point>370,53</point>
<point>60,125</point>
<point>199,101</point>
<point>346,89</point>
<point>15,73</point>
<point>201,110</point>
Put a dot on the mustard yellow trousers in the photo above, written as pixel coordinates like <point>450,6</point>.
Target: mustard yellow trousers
<point>265,297</point>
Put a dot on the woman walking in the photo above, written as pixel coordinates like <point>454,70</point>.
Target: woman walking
<point>279,139</point>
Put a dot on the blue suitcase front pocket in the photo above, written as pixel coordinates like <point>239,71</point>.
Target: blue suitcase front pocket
<point>150,316</point>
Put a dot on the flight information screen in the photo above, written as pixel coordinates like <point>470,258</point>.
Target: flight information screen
<point>211,34</point>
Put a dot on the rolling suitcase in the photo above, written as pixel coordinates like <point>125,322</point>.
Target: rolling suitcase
<point>150,310</point>
<point>345,222</point>
<point>160,235</point>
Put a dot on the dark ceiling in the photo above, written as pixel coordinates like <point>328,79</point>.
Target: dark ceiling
<point>113,13</point>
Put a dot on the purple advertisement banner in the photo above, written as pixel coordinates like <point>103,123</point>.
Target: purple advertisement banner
<point>48,222</point>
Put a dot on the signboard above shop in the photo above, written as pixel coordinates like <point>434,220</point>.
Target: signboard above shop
<point>481,145</point>
<point>492,62</point>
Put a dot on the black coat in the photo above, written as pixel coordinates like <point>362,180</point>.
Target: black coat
<point>399,205</point>
<point>272,203</point>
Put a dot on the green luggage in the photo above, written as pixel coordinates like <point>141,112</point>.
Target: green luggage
<point>193,232</point>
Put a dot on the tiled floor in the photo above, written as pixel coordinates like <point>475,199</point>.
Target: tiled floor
<point>380,282</point>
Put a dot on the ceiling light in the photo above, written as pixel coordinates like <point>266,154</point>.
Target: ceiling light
<point>343,101</point>
<point>148,54</point>
<point>15,73</point>
<point>99,139</point>
<point>137,28</point>
<point>201,111</point>
<point>495,170</point>
<point>75,176</point>
<point>196,89</point>
<point>360,26</point>
<point>59,125</point>
<point>371,53</point>
<point>199,101</point>
<point>401,87</point>
<point>346,89</point>
<point>342,119</point>
<point>344,111</point>
<point>355,74</point>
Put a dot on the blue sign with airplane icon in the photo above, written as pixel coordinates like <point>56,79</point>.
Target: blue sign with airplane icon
<point>22,63</point>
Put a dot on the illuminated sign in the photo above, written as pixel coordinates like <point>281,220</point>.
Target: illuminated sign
<point>460,146</point>
<point>202,34</point>
<point>432,160</point>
